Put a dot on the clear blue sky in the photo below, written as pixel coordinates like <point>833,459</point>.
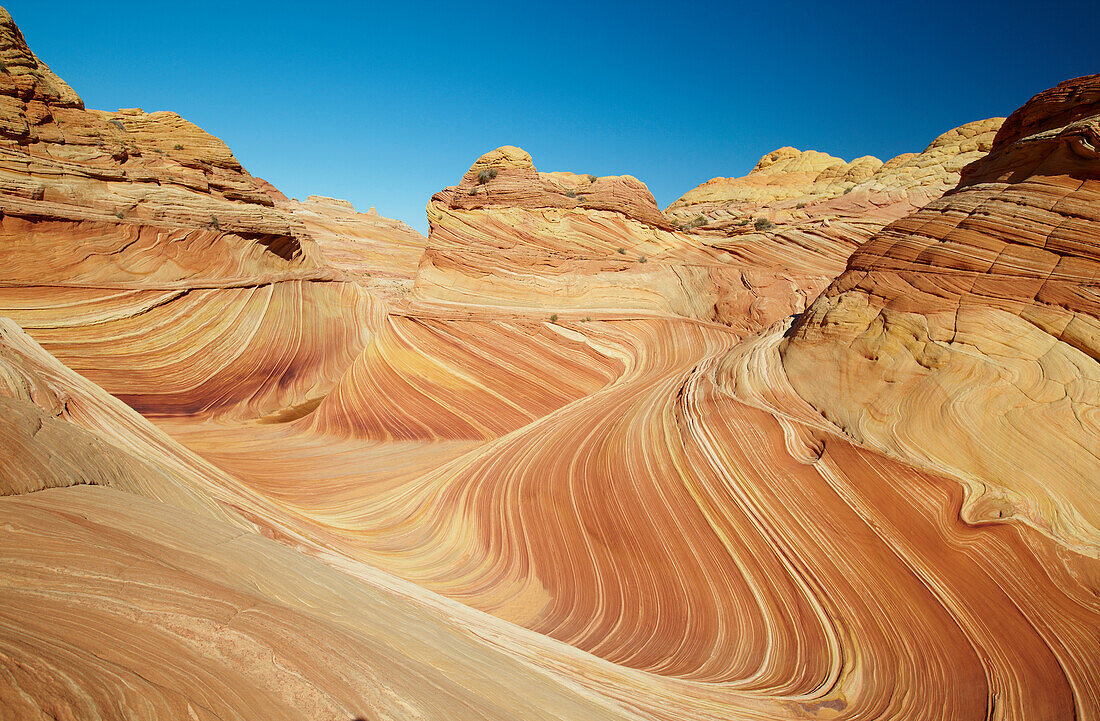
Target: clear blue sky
<point>384,104</point>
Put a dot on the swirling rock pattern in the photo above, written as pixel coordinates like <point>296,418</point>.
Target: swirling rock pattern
<point>377,252</point>
<point>513,472</point>
<point>980,311</point>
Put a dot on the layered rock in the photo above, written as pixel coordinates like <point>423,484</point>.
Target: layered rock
<point>125,232</point>
<point>594,501</point>
<point>787,180</point>
<point>379,253</point>
<point>964,336</point>
<point>155,198</point>
<point>511,239</point>
<point>60,430</point>
<point>130,584</point>
<point>792,222</point>
<point>782,174</point>
<point>115,605</point>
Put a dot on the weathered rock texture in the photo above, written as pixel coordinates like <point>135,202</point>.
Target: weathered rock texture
<point>379,253</point>
<point>793,221</point>
<point>551,480</point>
<point>965,337</point>
<point>511,239</point>
<point>788,177</point>
<point>125,232</point>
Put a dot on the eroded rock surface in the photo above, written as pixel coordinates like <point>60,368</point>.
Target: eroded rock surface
<point>513,471</point>
<point>964,337</point>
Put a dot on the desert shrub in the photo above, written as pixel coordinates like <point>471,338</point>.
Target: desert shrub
<point>642,259</point>
<point>484,176</point>
<point>215,223</point>
<point>473,191</point>
<point>118,124</point>
<point>570,194</point>
<point>800,206</point>
<point>847,190</point>
<point>763,224</point>
<point>120,215</point>
<point>554,318</point>
<point>621,251</point>
<point>591,178</point>
<point>177,146</point>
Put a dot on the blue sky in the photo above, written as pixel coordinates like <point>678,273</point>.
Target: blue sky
<point>384,104</point>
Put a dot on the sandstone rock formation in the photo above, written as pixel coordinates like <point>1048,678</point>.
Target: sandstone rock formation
<point>303,464</point>
<point>511,239</point>
<point>788,177</point>
<point>978,316</point>
<point>781,175</point>
<point>379,253</point>
<point>793,221</point>
<point>122,231</point>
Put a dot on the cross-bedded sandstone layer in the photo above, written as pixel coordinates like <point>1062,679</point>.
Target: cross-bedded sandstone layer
<point>512,472</point>
<point>792,222</point>
<point>977,316</point>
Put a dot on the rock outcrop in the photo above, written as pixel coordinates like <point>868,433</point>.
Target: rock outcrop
<point>782,174</point>
<point>125,232</point>
<point>964,337</point>
<point>787,180</point>
<point>792,223</point>
<point>509,239</point>
<point>302,463</point>
<point>379,253</point>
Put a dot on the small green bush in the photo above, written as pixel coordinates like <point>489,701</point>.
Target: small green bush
<point>642,259</point>
<point>570,194</point>
<point>215,223</point>
<point>847,190</point>
<point>473,191</point>
<point>120,215</point>
<point>591,178</point>
<point>554,318</point>
<point>621,251</point>
<point>484,176</point>
<point>763,224</point>
<point>177,146</point>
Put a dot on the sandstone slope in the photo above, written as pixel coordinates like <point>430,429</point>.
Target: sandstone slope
<point>125,232</point>
<point>552,480</point>
<point>964,337</point>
